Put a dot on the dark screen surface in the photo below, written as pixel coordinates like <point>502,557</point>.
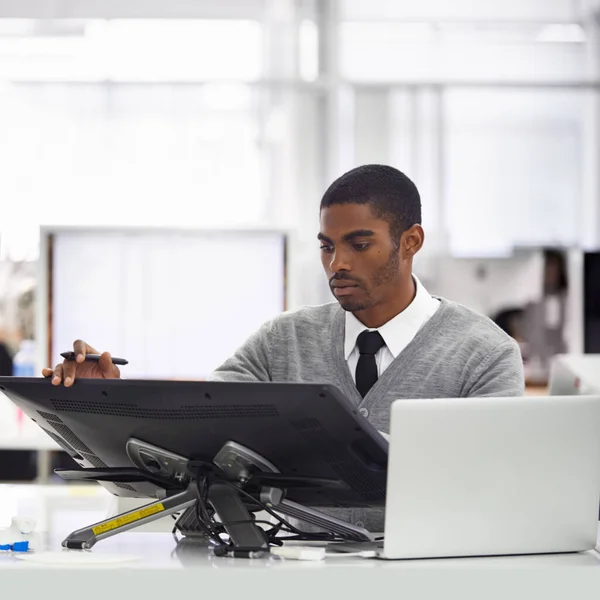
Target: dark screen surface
<point>303,429</point>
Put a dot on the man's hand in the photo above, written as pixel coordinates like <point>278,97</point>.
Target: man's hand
<point>68,370</point>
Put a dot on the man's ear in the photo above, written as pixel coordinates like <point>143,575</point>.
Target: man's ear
<point>411,241</point>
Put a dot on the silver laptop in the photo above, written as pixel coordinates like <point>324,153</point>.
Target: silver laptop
<point>492,476</point>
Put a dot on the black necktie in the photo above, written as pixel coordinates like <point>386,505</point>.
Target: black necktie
<point>369,343</point>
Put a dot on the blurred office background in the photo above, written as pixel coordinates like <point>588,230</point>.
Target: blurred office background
<point>149,118</point>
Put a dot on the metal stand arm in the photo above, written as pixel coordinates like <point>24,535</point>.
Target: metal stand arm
<point>85,538</point>
<point>275,499</point>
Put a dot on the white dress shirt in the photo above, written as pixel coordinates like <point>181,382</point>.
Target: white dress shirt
<point>396,333</point>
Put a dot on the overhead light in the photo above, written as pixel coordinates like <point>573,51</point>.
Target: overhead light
<point>562,33</point>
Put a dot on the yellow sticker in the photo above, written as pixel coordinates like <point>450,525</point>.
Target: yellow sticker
<point>128,518</point>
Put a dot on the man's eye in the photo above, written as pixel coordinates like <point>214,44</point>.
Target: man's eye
<point>360,247</point>
<point>326,248</point>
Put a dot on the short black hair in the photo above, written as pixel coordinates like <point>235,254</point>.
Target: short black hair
<point>390,193</point>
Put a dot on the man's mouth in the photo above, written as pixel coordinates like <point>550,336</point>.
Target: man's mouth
<point>343,288</point>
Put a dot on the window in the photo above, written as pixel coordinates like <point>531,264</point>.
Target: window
<point>105,122</point>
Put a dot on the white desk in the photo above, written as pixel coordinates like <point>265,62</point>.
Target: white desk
<point>38,443</point>
<point>29,437</point>
<point>163,569</point>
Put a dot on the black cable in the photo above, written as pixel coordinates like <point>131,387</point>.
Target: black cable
<point>303,535</point>
<point>244,522</point>
<point>263,506</point>
<point>214,529</point>
<point>205,520</point>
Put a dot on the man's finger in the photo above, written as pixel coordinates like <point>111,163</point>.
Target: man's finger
<point>57,375</point>
<point>109,371</point>
<point>69,369</point>
<point>46,372</point>
<point>80,348</point>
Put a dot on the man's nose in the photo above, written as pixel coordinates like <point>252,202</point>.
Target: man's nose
<point>339,261</point>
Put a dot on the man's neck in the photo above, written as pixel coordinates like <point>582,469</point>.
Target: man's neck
<point>383,312</point>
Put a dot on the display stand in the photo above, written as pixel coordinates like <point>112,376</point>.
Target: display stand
<point>236,473</point>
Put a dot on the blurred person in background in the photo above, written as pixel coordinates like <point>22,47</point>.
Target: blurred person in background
<point>544,321</point>
<point>556,286</point>
<point>510,320</point>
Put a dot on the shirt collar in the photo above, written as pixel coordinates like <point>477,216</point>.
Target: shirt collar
<point>398,331</point>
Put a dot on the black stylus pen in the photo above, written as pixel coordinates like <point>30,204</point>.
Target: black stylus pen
<point>94,357</point>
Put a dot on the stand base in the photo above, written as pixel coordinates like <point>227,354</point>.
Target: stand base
<point>84,539</point>
<point>236,463</point>
<point>226,503</point>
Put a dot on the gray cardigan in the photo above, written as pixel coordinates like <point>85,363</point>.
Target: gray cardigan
<point>456,353</point>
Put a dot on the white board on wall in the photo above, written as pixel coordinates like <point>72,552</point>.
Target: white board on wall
<point>175,304</point>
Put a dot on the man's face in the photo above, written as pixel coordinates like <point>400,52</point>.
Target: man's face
<point>361,260</point>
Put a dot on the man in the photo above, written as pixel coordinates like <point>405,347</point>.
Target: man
<point>385,338</point>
